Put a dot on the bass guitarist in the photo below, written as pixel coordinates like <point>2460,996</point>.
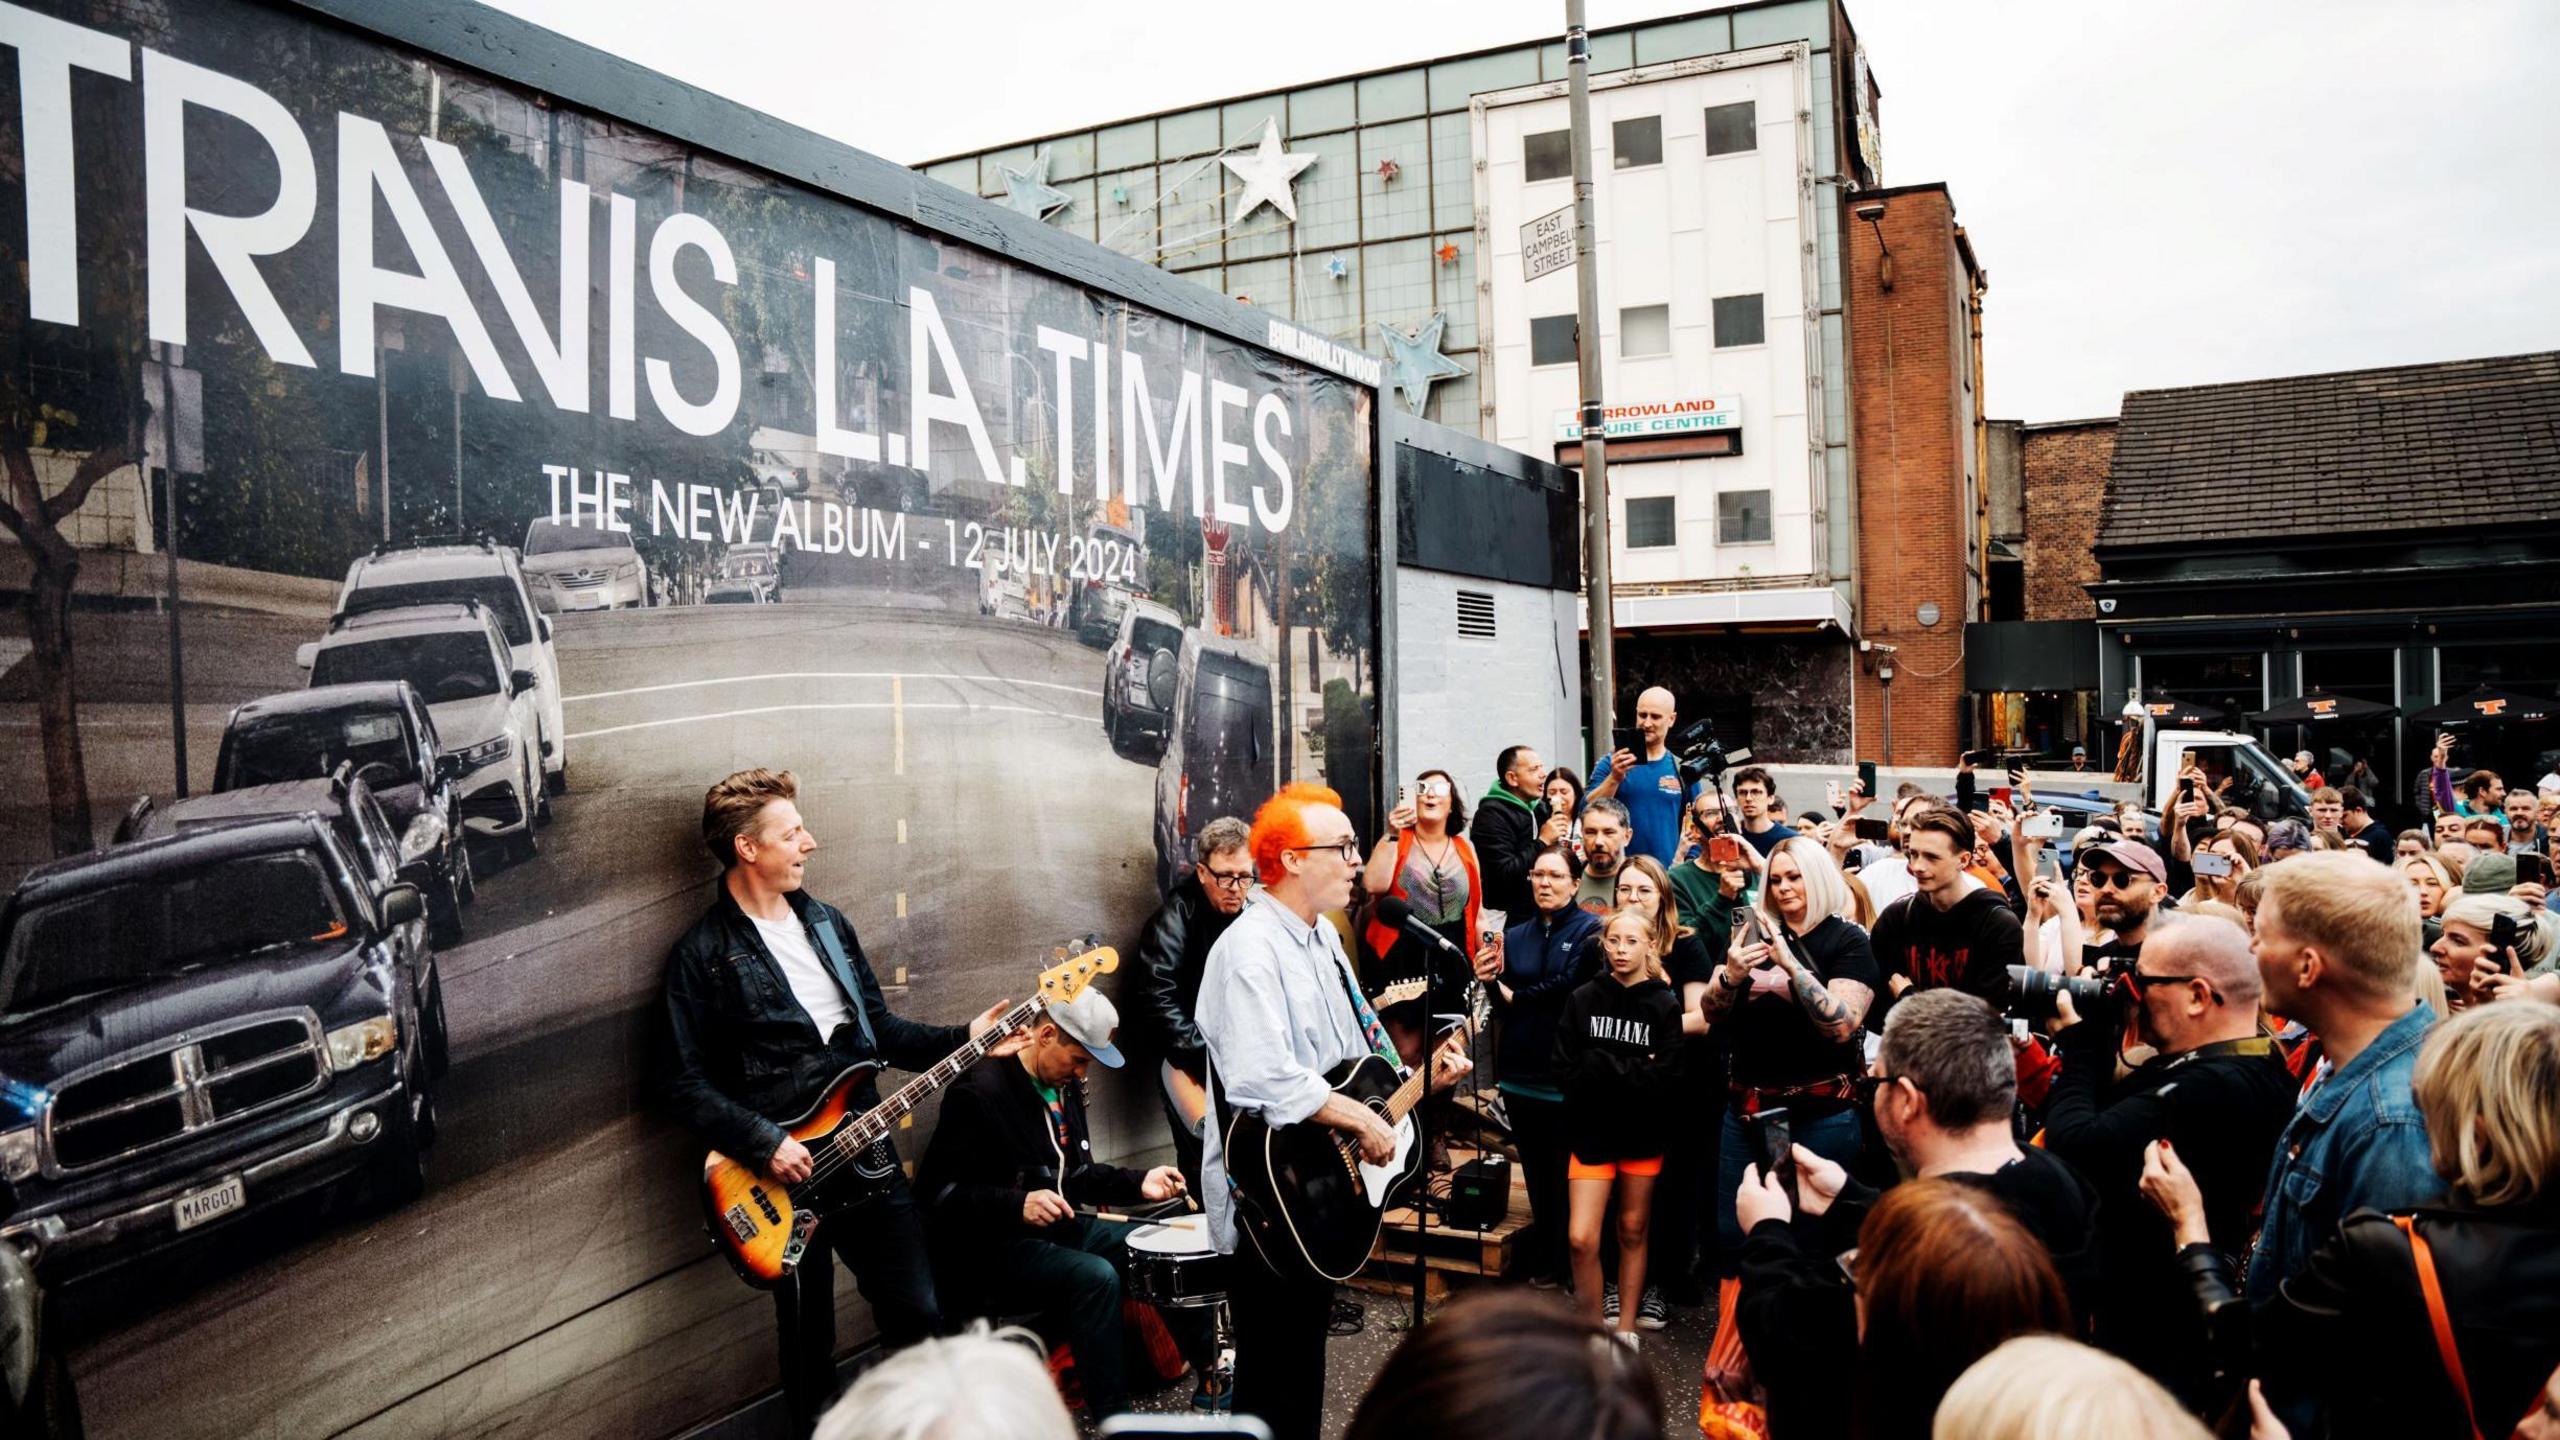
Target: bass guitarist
<point>769,998</point>
<point>1279,1007</point>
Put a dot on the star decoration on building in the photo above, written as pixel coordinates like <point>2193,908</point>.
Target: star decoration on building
<point>1267,174</point>
<point>1029,192</point>
<point>1414,359</point>
<point>1448,253</point>
<point>1338,268</point>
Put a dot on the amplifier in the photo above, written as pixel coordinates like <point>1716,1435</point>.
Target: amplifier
<point>1479,1194</point>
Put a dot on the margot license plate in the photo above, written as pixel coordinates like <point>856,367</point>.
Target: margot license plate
<point>203,1205</point>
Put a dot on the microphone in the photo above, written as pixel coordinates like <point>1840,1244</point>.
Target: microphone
<point>1400,915</point>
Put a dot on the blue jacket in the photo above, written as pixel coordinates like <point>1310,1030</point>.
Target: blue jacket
<point>2357,1143</point>
<point>1542,961</point>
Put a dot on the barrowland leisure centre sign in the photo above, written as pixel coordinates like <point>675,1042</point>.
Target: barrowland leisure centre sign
<point>1645,419</point>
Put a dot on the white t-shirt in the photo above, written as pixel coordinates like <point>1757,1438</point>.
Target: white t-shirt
<point>812,984</point>
<point>1886,877</point>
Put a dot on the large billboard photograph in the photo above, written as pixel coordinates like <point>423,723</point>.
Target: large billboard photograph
<point>418,489</point>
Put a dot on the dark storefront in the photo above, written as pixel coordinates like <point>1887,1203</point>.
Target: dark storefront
<point>2383,535</point>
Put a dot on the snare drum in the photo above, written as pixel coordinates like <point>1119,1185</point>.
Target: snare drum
<point>1171,1264</point>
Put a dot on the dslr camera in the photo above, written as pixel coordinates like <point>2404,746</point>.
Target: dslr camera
<point>2032,995</point>
<point>1702,761</point>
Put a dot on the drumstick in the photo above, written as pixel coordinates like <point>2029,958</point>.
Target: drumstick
<point>1152,1213</point>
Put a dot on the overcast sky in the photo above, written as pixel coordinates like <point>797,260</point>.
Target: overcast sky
<point>2165,193</point>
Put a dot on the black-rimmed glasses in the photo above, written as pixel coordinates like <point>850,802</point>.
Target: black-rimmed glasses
<point>1349,850</point>
<point>1233,883</point>
<point>2139,982</point>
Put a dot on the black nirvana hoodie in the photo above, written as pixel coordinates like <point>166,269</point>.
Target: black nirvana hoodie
<point>1617,1056</point>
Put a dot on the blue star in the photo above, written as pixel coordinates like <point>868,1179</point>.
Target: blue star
<point>1414,361</point>
<point>1029,191</point>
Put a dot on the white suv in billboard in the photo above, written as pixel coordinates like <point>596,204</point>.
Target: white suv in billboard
<point>457,660</point>
<point>478,569</point>
<point>571,566</point>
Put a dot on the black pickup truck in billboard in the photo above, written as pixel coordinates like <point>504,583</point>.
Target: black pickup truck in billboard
<point>476,476</point>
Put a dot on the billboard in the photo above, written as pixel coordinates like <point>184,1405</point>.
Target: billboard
<point>415,477</point>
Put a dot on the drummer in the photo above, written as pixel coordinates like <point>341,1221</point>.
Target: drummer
<point>1010,1164</point>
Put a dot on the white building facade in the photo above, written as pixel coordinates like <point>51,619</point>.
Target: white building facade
<point>1709,327</point>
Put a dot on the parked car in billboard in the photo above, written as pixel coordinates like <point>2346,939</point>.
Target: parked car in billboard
<point>221,1021</point>
<point>347,805</point>
<point>1139,673</point>
<point>485,714</point>
<point>1221,746</point>
<point>37,1398</point>
<point>384,730</point>
<point>420,571</point>
<point>582,566</point>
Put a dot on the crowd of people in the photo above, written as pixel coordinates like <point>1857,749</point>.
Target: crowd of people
<point>1955,1123</point>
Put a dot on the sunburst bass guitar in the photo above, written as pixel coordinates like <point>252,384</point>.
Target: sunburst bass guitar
<point>763,1225</point>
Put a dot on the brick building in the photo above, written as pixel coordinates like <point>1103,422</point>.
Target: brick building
<point>1914,291</point>
<point>2063,469</point>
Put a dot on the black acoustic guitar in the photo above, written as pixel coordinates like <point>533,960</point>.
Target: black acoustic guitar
<point>1308,1201</point>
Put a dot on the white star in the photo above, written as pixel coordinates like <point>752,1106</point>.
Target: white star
<point>1414,360</point>
<point>1267,174</point>
<point>1029,191</point>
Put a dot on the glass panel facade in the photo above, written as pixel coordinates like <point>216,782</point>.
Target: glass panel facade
<point>1330,306</point>
<point>1455,282</point>
<point>1396,283</point>
<point>2231,681</point>
<point>1401,206</point>
<point>1455,82</point>
<point>1125,212</point>
<point>1453,189</point>
<point>1071,157</point>
<point>1680,39</point>
<point>1122,145</point>
<point>1323,107</point>
<point>1808,20</point>
<point>1329,191</point>
<point>1193,132</point>
<point>1397,96</point>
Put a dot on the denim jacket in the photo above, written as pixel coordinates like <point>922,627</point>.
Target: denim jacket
<point>2357,1142</point>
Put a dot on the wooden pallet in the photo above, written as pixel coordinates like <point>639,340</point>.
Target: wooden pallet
<point>1448,1248</point>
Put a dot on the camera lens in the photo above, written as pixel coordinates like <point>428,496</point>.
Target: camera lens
<point>2032,994</point>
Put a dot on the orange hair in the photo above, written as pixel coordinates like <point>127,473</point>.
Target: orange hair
<point>1281,824</point>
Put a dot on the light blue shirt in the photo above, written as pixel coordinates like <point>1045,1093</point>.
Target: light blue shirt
<point>1277,1017</point>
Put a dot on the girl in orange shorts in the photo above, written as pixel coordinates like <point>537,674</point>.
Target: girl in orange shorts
<point>1617,1056</point>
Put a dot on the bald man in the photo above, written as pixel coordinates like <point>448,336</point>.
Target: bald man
<point>2214,1088</point>
<point>1649,785</point>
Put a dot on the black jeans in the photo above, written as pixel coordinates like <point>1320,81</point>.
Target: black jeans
<point>882,1241</point>
<point>1068,1274</point>
<point>1280,1326</point>
<point>1538,1127</point>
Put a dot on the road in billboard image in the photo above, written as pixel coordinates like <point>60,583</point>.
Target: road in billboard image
<point>959,771</point>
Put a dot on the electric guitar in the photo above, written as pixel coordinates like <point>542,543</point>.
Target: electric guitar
<point>762,1225</point>
<point>1309,1203</point>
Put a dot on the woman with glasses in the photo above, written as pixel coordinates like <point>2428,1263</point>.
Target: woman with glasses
<point>1788,1003</point>
<point>1529,975</point>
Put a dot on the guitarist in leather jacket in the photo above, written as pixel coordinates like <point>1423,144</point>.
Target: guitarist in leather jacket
<point>767,999</point>
<point>1165,990</point>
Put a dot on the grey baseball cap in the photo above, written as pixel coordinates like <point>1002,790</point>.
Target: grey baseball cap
<point>1089,1020</point>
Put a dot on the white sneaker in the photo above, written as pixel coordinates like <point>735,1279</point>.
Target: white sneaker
<point>1632,1339</point>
